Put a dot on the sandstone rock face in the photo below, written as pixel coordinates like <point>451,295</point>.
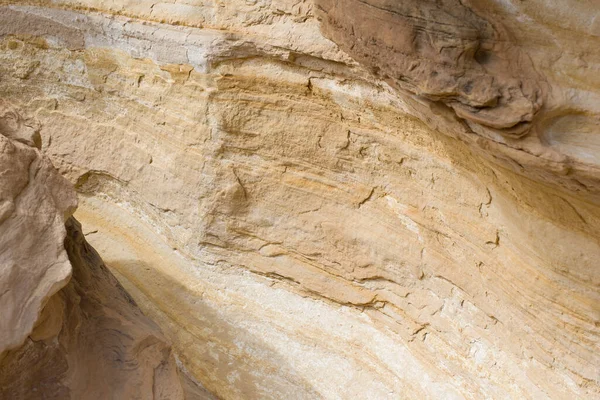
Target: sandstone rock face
<point>308,223</point>
<point>443,51</point>
<point>63,336</point>
<point>91,342</point>
<point>34,204</point>
<point>518,77</point>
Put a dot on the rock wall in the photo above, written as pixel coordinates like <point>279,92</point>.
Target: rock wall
<point>303,223</point>
<point>68,329</point>
<point>90,342</point>
<point>34,204</point>
<point>517,78</point>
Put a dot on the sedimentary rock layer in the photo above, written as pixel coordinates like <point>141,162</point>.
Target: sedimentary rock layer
<point>68,329</point>
<point>293,225</point>
<point>518,78</point>
<point>441,51</point>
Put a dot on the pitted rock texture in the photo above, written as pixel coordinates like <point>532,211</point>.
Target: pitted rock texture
<point>68,329</point>
<point>293,226</point>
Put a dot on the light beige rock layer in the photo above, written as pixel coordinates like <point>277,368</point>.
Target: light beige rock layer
<point>292,226</point>
<point>68,330</point>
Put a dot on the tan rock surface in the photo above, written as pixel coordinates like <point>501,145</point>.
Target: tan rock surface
<point>519,78</point>
<point>91,342</point>
<point>290,224</point>
<point>62,336</point>
<point>34,204</point>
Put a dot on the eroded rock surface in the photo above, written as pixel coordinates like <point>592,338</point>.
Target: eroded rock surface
<point>519,78</point>
<point>296,225</point>
<point>34,204</point>
<point>441,51</point>
<point>91,342</point>
<point>68,329</point>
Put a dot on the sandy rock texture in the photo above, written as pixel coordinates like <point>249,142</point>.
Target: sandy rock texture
<point>520,78</point>
<point>301,222</point>
<point>68,328</point>
<point>34,204</point>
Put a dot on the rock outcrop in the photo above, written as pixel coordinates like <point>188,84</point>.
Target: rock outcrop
<point>444,52</point>
<point>517,79</point>
<point>34,204</point>
<point>412,214</point>
<point>68,329</point>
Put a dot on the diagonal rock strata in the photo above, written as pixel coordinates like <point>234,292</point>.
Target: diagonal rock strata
<point>299,227</point>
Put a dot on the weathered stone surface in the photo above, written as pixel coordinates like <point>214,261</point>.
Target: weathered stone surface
<point>34,204</point>
<point>441,51</point>
<point>294,228</point>
<point>63,336</point>
<point>91,342</point>
<point>520,77</point>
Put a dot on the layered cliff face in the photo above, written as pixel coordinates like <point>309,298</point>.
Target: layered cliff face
<point>412,214</point>
<point>69,330</point>
<point>519,79</point>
